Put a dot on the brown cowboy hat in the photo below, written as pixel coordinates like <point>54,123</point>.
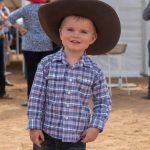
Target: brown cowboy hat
<point>103,16</point>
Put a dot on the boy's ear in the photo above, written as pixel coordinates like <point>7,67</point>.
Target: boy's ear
<point>60,33</point>
<point>93,38</point>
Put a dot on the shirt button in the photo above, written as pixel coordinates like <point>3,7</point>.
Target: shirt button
<point>69,92</point>
<point>66,117</point>
<point>70,80</point>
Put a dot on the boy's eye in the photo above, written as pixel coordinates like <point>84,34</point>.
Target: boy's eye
<point>69,29</point>
<point>83,31</point>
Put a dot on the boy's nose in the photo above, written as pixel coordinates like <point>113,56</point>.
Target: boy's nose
<point>76,34</point>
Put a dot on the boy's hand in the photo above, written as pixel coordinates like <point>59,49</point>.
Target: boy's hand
<point>36,136</point>
<point>89,135</point>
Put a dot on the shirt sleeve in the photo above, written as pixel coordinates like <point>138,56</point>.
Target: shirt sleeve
<point>17,14</point>
<point>37,99</point>
<point>102,102</point>
<point>146,12</point>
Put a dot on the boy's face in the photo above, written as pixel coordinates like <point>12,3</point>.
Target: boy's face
<point>77,33</point>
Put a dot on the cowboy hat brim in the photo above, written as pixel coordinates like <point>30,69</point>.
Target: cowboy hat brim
<point>102,15</point>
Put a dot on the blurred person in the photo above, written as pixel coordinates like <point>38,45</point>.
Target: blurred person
<point>35,43</point>
<point>3,19</point>
<point>2,72</point>
<point>146,17</point>
<point>4,13</point>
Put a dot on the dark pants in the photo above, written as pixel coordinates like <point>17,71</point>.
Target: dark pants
<point>55,144</point>
<point>31,61</point>
<point>2,68</point>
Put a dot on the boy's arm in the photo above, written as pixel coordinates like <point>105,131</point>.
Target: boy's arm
<point>101,109</point>
<point>146,13</point>
<point>37,99</point>
<point>101,102</point>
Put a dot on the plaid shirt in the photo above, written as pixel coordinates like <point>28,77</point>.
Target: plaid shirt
<point>60,94</point>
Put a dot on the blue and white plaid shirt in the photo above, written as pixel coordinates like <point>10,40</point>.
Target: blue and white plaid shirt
<point>60,94</point>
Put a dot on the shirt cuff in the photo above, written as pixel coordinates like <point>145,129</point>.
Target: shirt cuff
<point>98,123</point>
<point>34,124</point>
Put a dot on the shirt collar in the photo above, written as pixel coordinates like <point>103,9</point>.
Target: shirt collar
<point>84,61</point>
<point>59,56</point>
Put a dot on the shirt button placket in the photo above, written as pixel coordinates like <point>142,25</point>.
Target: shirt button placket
<point>68,92</point>
<point>66,117</point>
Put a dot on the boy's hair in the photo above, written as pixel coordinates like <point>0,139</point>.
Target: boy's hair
<point>77,18</point>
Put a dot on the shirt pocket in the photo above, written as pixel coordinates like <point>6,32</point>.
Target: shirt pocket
<point>54,86</point>
<point>84,88</point>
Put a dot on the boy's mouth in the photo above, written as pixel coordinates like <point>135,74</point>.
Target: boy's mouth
<point>75,42</point>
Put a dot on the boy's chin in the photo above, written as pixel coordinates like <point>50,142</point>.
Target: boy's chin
<point>79,49</point>
<point>75,50</point>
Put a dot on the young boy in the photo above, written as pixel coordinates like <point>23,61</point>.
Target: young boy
<point>58,111</point>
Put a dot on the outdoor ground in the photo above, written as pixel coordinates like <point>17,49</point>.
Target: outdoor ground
<point>128,127</point>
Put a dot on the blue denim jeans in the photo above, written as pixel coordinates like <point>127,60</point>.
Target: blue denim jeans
<point>55,144</point>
